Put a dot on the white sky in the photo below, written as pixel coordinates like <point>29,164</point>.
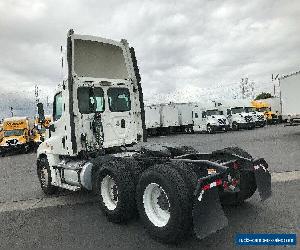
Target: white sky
<point>181,46</point>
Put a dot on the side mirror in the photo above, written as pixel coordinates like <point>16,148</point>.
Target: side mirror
<point>41,112</point>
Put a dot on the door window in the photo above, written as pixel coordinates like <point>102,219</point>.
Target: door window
<point>90,100</point>
<point>57,106</point>
<point>119,99</point>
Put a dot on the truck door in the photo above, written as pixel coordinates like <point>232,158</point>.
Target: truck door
<point>90,100</point>
<point>118,121</point>
<point>203,120</point>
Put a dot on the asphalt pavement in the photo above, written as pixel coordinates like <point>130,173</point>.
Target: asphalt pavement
<point>72,220</point>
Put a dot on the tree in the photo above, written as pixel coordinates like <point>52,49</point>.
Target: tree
<point>263,95</point>
<point>247,88</point>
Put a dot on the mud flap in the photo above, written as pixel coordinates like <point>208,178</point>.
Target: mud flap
<point>208,215</point>
<point>263,178</point>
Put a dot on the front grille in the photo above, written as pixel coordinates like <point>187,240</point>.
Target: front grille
<point>222,121</point>
<point>260,117</point>
<point>248,118</point>
<point>274,116</point>
<point>12,142</point>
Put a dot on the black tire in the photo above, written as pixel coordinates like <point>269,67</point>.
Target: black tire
<point>210,129</point>
<point>235,126</point>
<point>180,221</point>
<point>45,179</point>
<point>125,208</point>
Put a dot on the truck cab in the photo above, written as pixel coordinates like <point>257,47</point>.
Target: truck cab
<point>209,120</point>
<point>16,134</point>
<point>98,107</point>
<point>263,107</point>
<point>238,118</point>
<point>259,118</point>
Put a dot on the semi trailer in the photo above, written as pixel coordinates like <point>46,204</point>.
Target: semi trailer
<point>289,95</point>
<point>95,143</point>
<point>152,119</point>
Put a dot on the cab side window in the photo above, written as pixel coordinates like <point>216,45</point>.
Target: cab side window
<point>196,115</point>
<point>119,99</point>
<point>203,114</point>
<point>57,106</point>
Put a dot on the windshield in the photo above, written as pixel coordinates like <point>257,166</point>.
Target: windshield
<point>250,109</point>
<point>264,109</point>
<point>16,132</point>
<point>237,110</point>
<point>213,112</point>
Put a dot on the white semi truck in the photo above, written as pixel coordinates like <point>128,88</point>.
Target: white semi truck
<point>209,120</point>
<point>238,117</point>
<point>289,95</point>
<point>98,114</point>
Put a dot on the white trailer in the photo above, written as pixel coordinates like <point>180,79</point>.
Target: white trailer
<point>152,119</point>
<point>169,118</point>
<point>289,93</point>
<point>185,116</point>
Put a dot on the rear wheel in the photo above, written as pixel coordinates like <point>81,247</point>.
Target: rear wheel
<point>115,189</point>
<point>164,203</point>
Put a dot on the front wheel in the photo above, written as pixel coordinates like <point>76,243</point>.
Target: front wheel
<point>164,204</point>
<point>44,175</point>
<point>210,129</point>
<point>235,126</point>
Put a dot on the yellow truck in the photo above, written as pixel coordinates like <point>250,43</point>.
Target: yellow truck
<point>16,135</point>
<point>39,130</point>
<point>1,132</point>
<point>264,107</point>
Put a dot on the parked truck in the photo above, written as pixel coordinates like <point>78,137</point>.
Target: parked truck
<point>169,118</point>
<point>258,117</point>
<point>238,117</point>
<point>209,120</point>
<point>185,116</point>
<point>1,132</point>
<point>95,140</point>
<point>289,95</point>
<point>264,107</point>
<point>39,129</point>
<point>16,135</point>
<point>152,119</point>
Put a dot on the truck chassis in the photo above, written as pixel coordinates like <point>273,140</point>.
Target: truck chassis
<point>173,190</point>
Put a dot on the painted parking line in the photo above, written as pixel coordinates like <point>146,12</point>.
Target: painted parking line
<point>82,198</point>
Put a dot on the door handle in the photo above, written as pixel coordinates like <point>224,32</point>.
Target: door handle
<point>122,123</point>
